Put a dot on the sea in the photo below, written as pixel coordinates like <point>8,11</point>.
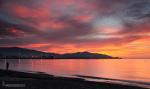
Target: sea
<point>135,72</point>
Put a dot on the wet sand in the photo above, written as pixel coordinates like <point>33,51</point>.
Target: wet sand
<point>23,80</point>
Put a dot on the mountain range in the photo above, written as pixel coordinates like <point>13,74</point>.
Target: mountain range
<point>23,53</point>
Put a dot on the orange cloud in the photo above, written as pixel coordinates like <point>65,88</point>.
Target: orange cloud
<point>84,18</point>
<point>37,45</point>
<point>21,11</point>
<point>57,25</point>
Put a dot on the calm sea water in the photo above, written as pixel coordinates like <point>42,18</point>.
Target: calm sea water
<point>125,69</point>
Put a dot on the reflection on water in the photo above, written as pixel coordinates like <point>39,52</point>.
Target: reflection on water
<point>137,70</point>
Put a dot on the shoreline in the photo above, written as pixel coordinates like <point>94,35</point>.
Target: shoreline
<point>40,80</point>
<point>117,81</point>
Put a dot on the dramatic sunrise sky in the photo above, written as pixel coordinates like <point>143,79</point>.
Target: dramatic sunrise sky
<point>115,27</point>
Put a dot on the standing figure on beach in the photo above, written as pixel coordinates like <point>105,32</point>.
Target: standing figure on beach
<point>7,65</point>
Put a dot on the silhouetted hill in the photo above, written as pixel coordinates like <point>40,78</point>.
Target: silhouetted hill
<point>85,55</point>
<point>16,52</point>
<point>22,53</point>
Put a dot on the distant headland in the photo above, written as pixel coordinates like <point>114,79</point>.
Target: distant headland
<point>23,53</point>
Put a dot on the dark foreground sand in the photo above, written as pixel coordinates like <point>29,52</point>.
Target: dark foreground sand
<point>21,80</point>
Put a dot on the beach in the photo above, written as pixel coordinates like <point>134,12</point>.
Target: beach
<point>10,79</point>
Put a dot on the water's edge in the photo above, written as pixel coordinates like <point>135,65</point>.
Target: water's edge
<point>99,79</point>
<point>115,81</point>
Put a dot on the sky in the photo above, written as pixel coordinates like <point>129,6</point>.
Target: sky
<point>115,27</point>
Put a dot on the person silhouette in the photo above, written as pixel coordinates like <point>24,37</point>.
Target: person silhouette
<point>7,65</point>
